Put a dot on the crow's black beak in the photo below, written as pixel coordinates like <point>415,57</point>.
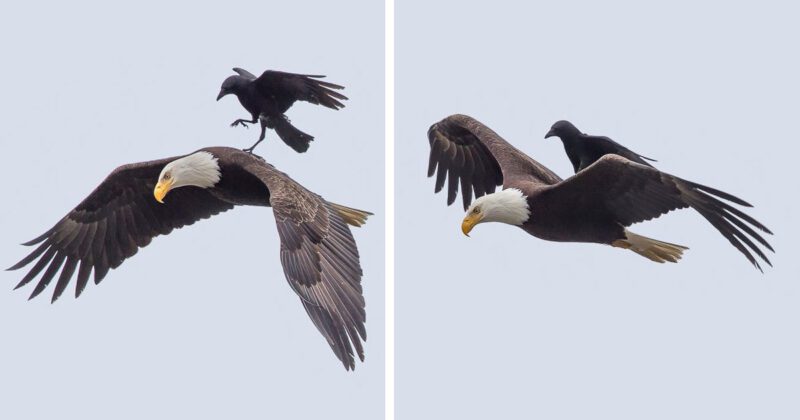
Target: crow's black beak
<point>221,94</point>
<point>550,133</point>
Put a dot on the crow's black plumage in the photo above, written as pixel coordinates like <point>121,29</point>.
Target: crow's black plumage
<point>270,95</point>
<point>584,150</point>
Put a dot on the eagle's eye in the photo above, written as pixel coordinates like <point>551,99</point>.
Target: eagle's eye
<point>476,210</point>
<point>167,175</point>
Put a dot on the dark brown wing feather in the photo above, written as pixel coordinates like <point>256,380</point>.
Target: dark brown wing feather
<point>466,152</point>
<point>628,193</point>
<point>290,87</point>
<point>321,262</point>
<point>111,224</point>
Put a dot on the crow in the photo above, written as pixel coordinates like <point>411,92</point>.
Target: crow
<point>269,96</point>
<point>584,150</point>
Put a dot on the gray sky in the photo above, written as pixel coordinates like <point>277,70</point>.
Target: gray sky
<point>504,325</point>
<point>201,323</point>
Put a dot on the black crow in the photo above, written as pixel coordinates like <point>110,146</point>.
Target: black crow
<point>583,149</point>
<point>269,96</point>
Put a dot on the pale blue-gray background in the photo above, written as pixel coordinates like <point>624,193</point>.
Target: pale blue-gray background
<point>201,323</point>
<point>503,325</point>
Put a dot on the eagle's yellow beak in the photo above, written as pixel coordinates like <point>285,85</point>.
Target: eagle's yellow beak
<point>470,221</point>
<point>161,190</point>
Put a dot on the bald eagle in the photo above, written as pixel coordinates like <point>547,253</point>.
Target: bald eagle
<point>595,205</point>
<point>130,207</point>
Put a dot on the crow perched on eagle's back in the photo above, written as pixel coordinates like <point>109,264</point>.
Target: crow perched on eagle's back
<point>584,150</point>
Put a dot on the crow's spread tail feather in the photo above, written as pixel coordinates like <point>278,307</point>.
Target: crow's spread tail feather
<point>296,139</point>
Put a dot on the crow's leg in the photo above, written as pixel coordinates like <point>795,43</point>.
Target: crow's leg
<point>244,122</point>
<point>260,138</point>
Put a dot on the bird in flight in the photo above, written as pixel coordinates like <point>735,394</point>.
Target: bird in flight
<point>131,207</point>
<point>595,205</point>
<point>584,150</point>
<point>269,96</point>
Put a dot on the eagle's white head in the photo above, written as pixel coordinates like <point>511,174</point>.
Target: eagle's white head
<point>507,206</point>
<point>199,169</point>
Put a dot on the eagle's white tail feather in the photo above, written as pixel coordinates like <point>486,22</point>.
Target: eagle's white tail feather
<point>651,249</point>
<point>351,216</point>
